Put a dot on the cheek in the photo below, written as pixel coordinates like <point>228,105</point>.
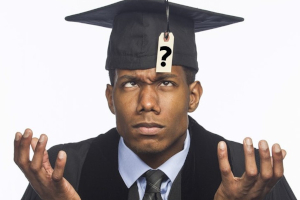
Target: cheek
<point>124,111</point>
<point>175,110</point>
<point>177,103</point>
<point>124,103</point>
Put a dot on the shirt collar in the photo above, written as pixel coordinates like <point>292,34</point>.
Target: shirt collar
<point>131,167</point>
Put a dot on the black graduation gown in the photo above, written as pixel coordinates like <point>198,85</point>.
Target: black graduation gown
<point>92,168</point>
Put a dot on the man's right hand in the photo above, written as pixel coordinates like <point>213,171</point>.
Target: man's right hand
<point>48,183</point>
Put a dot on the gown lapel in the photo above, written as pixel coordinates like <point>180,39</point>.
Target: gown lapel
<point>100,178</point>
<point>200,175</point>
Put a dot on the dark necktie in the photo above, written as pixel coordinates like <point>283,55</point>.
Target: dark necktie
<point>154,179</point>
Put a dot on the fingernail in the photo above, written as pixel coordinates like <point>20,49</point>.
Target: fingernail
<point>61,155</point>
<point>17,137</point>
<point>277,148</point>
<point>222,145</point>
<point>263,145</point>
<point>249,141</point>
<point>42,138</point>
<point>26,134</point>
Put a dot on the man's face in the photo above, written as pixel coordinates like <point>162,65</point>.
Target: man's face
<point>151,109</point>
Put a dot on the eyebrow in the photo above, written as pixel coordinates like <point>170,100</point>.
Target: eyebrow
<point>157,78</point>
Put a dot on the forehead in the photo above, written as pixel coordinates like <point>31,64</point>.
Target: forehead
<point>151,74</point>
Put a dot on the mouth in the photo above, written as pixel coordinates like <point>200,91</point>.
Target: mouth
<point>148,129</point>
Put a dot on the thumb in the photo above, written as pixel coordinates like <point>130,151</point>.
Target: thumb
<point>65,189</point>
<point>60,164</point>
<point>224,165</point>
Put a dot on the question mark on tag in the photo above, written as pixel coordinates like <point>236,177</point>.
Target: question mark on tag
<point>166,55</point>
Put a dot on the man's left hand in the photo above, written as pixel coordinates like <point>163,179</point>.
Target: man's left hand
<point>252,184</point>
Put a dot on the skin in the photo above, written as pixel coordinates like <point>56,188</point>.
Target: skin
<point>151,116</point>
<point>144,96</point>
<point>252,185</point>
<point>49,183</point>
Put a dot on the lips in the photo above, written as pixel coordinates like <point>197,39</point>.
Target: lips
<point>148,128</point>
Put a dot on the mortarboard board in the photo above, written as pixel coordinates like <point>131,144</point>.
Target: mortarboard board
<point>137,24</point>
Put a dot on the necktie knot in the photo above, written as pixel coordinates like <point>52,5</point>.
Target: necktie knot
<point>154,179</point>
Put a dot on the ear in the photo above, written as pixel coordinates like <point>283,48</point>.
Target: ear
<point>195,95</point>
<point>109,98</point>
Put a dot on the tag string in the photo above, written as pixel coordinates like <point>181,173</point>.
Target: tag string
<point>167,14</point>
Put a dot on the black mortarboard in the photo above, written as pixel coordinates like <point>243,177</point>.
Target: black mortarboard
<point>137,24</point>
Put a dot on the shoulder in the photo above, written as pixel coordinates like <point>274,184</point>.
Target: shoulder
<point>75,157</point>
<point>77,154</point>
<point>80,149</point>
<point>236,157</point>
<point>211,140</point>
<point>198,132</point>
<point>77,149</point>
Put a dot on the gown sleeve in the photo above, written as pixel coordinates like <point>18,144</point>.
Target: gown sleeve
<point>280,191</point>
<point>76,153</point>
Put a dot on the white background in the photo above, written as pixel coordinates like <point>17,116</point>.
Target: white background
<point>52,77</point>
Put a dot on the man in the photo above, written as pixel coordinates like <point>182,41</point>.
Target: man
<point>153,129</point>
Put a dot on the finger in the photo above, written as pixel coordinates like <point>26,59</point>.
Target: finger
<point>34,143</point>
<point>224,165</point>
<point>266,169</point>
<point>283,153</point>
<point>23,150</point>
<point>277,166</point>
<point>17,141</point>
<point>37,160</point>
<point>277,161</point>
<point>250,174</point>
<point>59,167</point>
<point>46,163</point>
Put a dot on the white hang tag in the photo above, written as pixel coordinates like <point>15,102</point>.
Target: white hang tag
<point>165,53</point>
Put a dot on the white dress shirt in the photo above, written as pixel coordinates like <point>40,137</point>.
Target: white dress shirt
<point>131,168</point>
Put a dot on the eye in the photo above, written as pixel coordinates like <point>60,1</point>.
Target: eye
<point>130,84</point>
<point>166,84</point>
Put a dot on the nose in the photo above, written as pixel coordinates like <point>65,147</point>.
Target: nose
<point>148,100</point>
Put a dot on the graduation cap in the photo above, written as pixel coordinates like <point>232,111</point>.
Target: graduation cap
<point>137,24</point>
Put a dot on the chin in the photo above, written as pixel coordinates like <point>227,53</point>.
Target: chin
<point>145,151</point>
<point>148,149</point>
